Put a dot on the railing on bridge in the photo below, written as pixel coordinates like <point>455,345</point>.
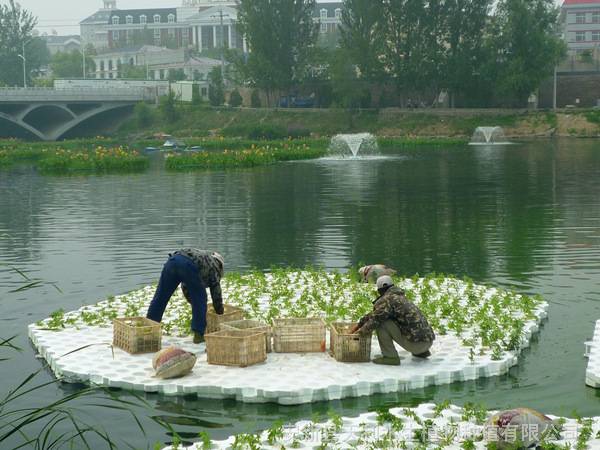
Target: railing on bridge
<point>24,95</point>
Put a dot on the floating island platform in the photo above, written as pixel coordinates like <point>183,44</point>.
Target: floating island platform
<point>480,333</point>
<point>592,375</point>
<point>427,426</point>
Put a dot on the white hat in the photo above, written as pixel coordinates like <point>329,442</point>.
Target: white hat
<point>384,282</point>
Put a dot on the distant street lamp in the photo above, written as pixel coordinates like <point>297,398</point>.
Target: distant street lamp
<point>221,16</point>
<point>83,54</point>
<point>24,58</point>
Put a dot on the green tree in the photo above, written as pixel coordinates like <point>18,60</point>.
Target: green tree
<point>196,97</point>
<point>466,23</point>
<point>216,95</point>
<point>524,47</point>
<point>235,99</point>
<point>70,64</point>
<point>176,75</point>
<point>130,72</point>
<point>414,47</point>
<point>16,26</point>
<point>281,35</point>
<point>168,107</point>
<point>362,35</point>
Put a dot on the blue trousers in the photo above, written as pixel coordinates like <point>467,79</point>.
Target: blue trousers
<point>180,269</point>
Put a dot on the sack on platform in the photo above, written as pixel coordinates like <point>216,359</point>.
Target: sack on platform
<point>173,362</point>
<point>520,426</point>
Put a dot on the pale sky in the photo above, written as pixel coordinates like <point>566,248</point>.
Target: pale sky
<point>64,15</point>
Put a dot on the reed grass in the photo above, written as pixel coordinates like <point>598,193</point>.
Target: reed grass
<point>60,423</point>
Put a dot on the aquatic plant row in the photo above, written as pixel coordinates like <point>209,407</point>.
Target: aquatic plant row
<point>251,157</point>
<point>101,159</point>
<point>486,320</point>
<point>428,426</point>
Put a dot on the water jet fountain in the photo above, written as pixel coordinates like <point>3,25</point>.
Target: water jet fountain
<point>489,136</point>
<point>350,145</point>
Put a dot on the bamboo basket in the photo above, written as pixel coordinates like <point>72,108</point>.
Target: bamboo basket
<point>214,320</point>
<point>251,325</point>
<point>295,335</point>
<point>347,347</point>
<point>137,335</point>
<point>241,348</point>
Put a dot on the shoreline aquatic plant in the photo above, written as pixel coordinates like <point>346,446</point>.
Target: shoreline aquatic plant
<point>99,160</point>
<point>251,157</point>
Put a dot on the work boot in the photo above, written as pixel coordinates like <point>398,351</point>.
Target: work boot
<point>387,361</point>
<point>423,355</point>
<point>198,338</point>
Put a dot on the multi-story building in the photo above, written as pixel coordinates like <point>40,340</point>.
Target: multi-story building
<point>581,24</point>
<point>197,24</point>
<point>94,28</point>
<point>64,44</point>
<point>156,61</point>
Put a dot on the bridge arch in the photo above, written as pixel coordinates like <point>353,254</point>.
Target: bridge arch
<point>106,115</point>
<point>10,127</point>
<point>45,118</point>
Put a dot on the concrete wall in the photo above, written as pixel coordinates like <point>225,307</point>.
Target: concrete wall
<point>570,87</point>
<point>183,90</point>
<point>161,87</point>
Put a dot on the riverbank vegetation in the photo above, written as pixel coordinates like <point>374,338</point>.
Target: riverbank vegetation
<point>203,122</point>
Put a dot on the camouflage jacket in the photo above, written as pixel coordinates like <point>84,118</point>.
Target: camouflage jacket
<point>395,306</point>
<point>209,273</point>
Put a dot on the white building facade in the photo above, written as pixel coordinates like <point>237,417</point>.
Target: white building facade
<point>196,24</point>
<point>581,22</point>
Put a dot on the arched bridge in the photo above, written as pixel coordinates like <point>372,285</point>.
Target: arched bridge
<point>52,114</point>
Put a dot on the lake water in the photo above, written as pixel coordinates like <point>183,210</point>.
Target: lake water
<point>526,217</point>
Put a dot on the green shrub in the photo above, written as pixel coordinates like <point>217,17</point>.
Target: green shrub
<point>143,115</point>
<point>297,132</point>
<point>593,117</point>
<point>235,99</point>
<point>267,132</point>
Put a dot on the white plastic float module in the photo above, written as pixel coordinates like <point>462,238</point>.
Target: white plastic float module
<point>592,375</point>
<point>84,354</point>
<point>449,428</point>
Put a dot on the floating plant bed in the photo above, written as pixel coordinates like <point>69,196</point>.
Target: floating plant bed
<point>348,347</point>
<point>214,320</point>
<point>251,325</point>
<point>427,426</point>
<point>480,333</point>
<point>592,375</point>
